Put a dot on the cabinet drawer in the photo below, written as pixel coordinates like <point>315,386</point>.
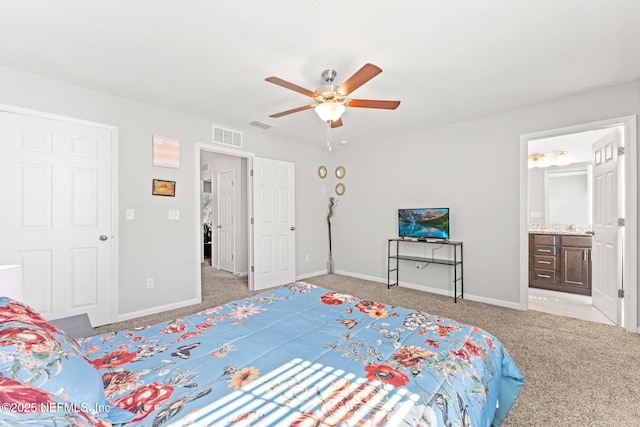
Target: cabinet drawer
<point>544,262</point>
<point>544,250</point>
<point>544,239</point>
<point>579,241</point>
<point>544,276</point>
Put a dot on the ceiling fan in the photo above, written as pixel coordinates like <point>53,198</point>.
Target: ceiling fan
<point>331,102</point>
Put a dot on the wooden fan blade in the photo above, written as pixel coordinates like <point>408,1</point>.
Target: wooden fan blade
<point>363,75</point>
<point>336,123</point>
<point>294,110</point>
<point>278,81</point>
<point>373,103</point>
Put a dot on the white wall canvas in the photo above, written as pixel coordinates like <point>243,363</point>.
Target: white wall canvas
<point>166,151</point>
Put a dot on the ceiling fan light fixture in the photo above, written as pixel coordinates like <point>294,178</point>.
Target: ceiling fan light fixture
<point>330,111</point>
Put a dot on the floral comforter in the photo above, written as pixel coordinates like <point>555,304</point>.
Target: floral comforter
<point>302,355</point>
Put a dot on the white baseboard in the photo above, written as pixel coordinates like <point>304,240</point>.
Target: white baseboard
<point>154,310</point>
<point>444,292</point>
<point>306,276</point>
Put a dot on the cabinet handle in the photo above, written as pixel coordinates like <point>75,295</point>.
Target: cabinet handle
<point>544,262</point>
<point>544,250</point>
<point>544,276</point>
<point>585,255</point>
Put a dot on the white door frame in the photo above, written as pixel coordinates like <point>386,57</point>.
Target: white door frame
<point>114,186</point>
<point>198,235</point>
<point>630,269</point>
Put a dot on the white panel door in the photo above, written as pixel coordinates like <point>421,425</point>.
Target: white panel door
<point>274,223</point>
<point>607,234</point>
<point>226,223</point>
<point>56,218</point>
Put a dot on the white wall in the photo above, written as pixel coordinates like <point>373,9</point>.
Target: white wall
<point>471,167</point>
<point>152,246</point>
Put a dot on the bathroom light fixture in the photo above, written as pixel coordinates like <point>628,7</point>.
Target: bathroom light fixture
<point>562,159</point>
<point>548,158</point>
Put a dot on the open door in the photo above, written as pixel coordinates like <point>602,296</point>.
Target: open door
<point>608,233</point>
<point>274,223</point>
<point>226,220</point>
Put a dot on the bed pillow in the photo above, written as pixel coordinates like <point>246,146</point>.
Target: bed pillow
<point>38,354</point>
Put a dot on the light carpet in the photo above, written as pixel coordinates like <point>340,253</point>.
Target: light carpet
<point>578,373</point>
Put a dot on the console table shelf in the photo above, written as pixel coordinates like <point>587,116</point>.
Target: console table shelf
<point>455,262</point>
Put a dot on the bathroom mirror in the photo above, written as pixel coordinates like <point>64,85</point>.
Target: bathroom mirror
<point>340,172</point>
<point>322,172</point>
<point>340,189</point>
<point>568,196</point>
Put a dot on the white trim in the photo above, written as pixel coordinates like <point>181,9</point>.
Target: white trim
<point>115,265</point>
<point>436,291</point>
<point>215,148</point>
<point>52,116</point>
<point>314,274</point>
<point>155,310</point>
<point>630,273</point>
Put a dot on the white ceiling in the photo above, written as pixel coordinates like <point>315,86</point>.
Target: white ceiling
<point>446,61</point>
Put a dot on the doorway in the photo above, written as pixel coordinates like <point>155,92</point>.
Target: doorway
<point>269,198</point>
<point>531,212</point>
<point>226,213</point>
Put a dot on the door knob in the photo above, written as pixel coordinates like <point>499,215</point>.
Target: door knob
<point>293,228</point>
<point>103,237</point>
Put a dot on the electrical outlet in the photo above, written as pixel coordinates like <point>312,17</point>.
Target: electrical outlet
<point>150,282</point>
<point>129,215</point>
<point>306,257</point>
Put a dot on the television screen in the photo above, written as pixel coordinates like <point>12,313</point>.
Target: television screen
<point>426,223</point>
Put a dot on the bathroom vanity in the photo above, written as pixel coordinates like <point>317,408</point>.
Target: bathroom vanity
<point>560,262</point>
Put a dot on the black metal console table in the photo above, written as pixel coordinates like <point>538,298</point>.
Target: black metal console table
<point>456,262</point>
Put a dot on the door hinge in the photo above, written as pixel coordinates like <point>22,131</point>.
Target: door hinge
<point>252,268</point>
<point>251,221</point>
<point>620,293</point>
<point>620,151</point>
<point>251,172</point>
<point>620,222</point>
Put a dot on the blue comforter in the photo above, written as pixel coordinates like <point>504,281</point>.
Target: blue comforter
<point>302,355</point>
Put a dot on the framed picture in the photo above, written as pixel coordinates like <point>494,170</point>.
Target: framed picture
<point>166,151</point>
<point>164,188</point>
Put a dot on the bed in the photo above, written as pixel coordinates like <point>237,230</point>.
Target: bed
<point>299,355</point>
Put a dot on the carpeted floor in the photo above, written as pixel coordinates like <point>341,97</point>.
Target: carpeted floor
<point>578,373</point>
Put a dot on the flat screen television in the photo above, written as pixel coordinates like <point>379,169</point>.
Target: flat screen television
<point>424,223</point>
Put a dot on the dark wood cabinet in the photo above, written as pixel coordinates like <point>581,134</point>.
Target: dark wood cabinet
<point>560,263</point>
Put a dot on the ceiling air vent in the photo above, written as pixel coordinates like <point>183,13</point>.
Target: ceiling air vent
<point>227,136</point>
<point>260,125</point>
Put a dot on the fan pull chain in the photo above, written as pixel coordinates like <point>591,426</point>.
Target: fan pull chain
<point>329,135</point>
